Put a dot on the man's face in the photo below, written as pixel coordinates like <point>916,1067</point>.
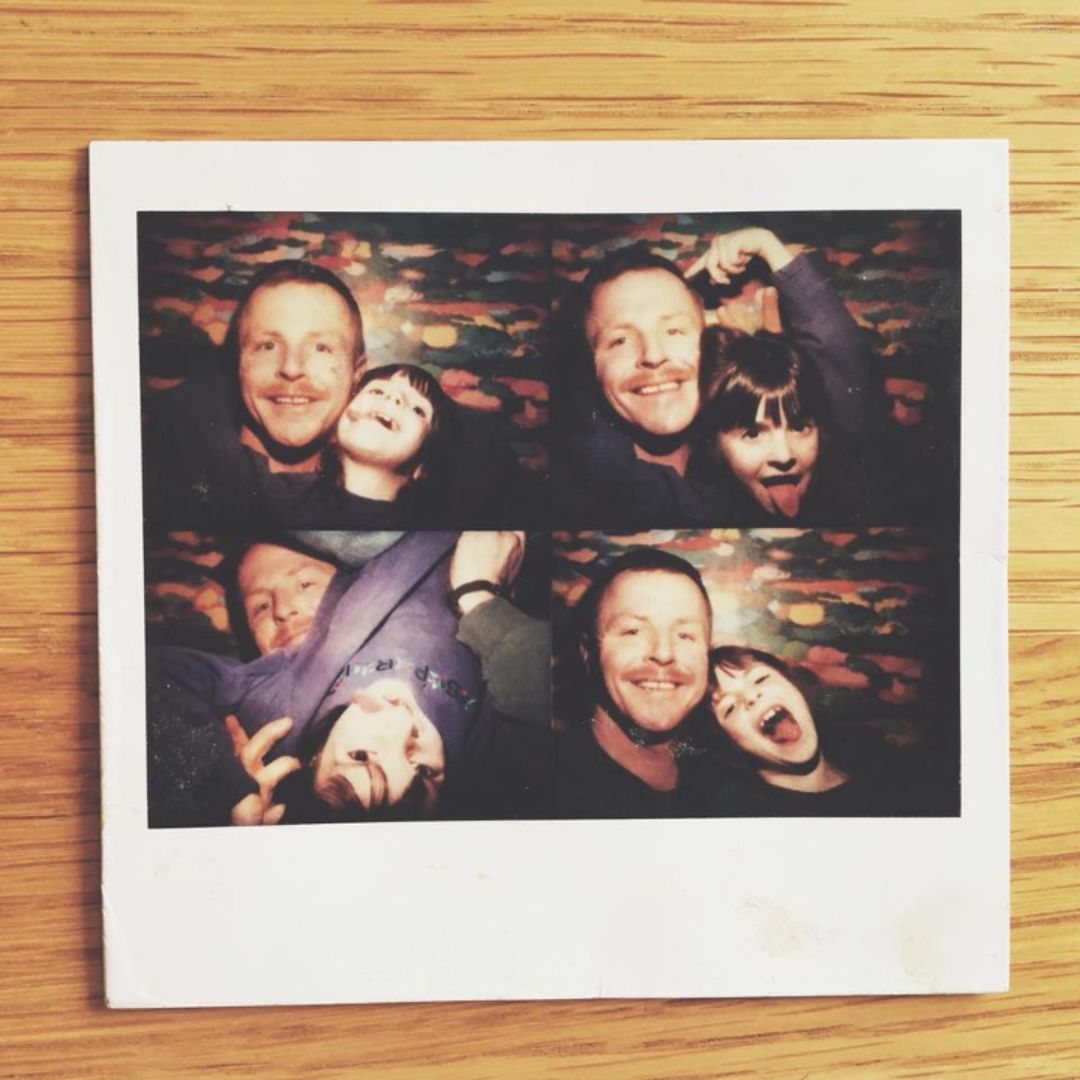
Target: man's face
<point>773,461</point>
<point>386,748</point>
<point>653,637</point>
<point>281,590</point>
<point>764,714</point>
<point>386,423</point>
<point>297,347</point>
<point>644,329</point>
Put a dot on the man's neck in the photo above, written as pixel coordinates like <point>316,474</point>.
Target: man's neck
<point>677,459</point>
<point>824,778</point>
<point>251,439</point>
<point>653,765</point>
<point>371,481</point>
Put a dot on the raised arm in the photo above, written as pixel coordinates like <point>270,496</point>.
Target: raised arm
<point>514,648</point>
<point>812,314</point>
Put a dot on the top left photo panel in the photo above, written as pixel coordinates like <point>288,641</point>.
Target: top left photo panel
<point>343,371</point>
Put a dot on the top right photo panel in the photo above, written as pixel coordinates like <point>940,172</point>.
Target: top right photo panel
<point>750,370</point>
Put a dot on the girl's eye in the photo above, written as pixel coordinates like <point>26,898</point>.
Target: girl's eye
<point>760,679</point>
<point>750,433</point>
<point>263,346</point>
<point>630,631</point>
<point>419,412</point>
<point>358,755</point>
<point>615,342</point>
<point>425,772</point>
<point>375,391</point>
<point>674,331</point>
<point>728,711</point>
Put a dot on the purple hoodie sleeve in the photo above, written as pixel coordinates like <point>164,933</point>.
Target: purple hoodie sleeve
<point>820,325</point>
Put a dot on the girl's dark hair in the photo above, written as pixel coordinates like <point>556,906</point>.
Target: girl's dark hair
<point>442,421</point>
<point>741,372</point>
<point>741,657</point>
<point>299,270</point>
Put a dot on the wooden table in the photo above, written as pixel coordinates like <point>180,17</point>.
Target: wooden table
<point>487,69</point>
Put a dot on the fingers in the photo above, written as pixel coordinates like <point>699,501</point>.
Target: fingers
<point>237,734</point>
<point>269,776</point>
<point>260,744</point>
<point>274,814</point>
<point>697,266</point>
<point>248,811</point>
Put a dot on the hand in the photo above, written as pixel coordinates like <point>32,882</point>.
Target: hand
<point>485,556</point>
<point>730,253</point>
<point>748,314</point>
<point>259,808</point>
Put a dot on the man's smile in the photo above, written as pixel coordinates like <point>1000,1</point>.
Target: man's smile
<point>648,389</point>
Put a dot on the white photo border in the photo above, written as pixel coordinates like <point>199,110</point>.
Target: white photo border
<point>583,909</point>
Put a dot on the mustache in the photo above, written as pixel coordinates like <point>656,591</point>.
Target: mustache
<point>660,674</point>
<point>293,390</point>
<point>670,373</point>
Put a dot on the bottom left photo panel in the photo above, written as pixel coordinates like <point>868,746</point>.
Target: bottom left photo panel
<point>315,677</point>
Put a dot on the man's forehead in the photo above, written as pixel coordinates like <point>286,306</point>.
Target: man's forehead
<point>262,564</point>
<point>275,297</point>
<point>654,593</point>
<point>648,283</point>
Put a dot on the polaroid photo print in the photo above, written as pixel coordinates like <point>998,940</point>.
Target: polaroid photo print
<point>509,553</point>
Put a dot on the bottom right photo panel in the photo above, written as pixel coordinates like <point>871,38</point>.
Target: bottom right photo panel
<point>756,673</point>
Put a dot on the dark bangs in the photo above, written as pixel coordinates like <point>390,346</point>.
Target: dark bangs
<point>743,372</point>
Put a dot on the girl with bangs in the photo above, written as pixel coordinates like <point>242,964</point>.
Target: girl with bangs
<point>767,425</point>
<point>381,464</point>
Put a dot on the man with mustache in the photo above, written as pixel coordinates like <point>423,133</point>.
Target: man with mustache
<point>235,446</point>
<point>644,627</point>
<point>627,454</point>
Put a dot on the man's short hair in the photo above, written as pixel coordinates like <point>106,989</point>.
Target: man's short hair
<point>640,559</point>
<point>742,372</point>
<point>616,264</point>
<point>299,270</point>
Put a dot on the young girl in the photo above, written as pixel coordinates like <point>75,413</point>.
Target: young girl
<point>767,425</point>
<point>381,465</point>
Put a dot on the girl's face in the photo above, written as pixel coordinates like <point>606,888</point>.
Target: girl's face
<point>386,423</point>
<point>764,714</point>
<point>773,461</point>
<point>384,746</point>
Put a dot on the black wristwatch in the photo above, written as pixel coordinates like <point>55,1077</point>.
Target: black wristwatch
<point>453,597</point>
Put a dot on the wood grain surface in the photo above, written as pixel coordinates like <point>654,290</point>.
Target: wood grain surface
<point>472,69</point>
